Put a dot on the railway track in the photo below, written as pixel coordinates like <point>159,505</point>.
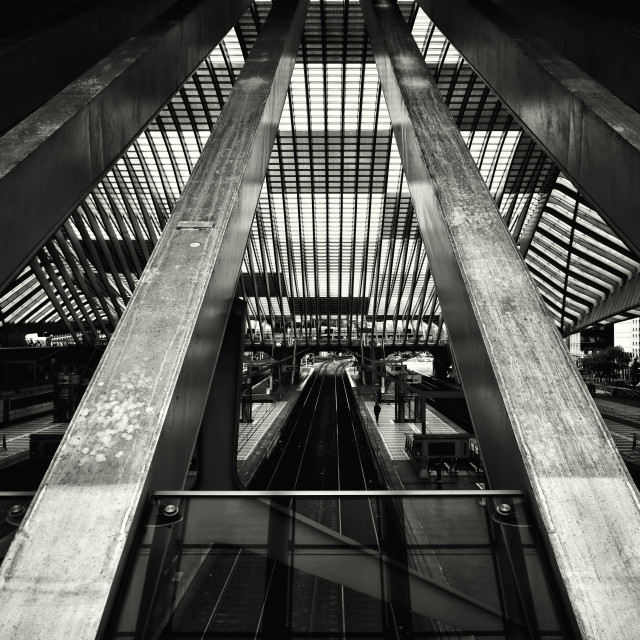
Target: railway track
<point>324,449</point>
<point>270,585</point>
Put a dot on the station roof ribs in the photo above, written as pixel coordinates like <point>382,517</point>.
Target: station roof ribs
<point>334,240</point>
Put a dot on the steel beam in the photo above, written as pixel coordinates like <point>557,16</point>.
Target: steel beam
<point>34,66</point>
<point>136,427</point>
<point>603,46</point>
<point>539,429</point>
<point>52,159</point>
<point>592,135</point>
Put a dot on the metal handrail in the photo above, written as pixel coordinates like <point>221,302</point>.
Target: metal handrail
<point>360,493</point>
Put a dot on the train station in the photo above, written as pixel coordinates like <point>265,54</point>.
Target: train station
<point>320,319</point>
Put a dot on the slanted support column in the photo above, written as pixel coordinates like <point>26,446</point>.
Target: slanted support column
<point>537,424</point>
<point>602,45</point>
<point>59,52</point>
<point>218,439</point>
<point>54,157</point>
<point>136,427</point>
<point>592,135</point>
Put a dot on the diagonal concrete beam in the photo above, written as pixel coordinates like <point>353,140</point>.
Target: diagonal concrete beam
<point>591,134</point>
<point>54,157</point>
<point>537,425</point>
<point>37,64</point>
<point>136,427</point>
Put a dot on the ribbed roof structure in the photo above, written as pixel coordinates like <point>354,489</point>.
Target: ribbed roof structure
<point>335,247</point>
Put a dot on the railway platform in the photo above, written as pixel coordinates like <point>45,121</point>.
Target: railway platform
<point>389,437</point>
<point>256,438</point>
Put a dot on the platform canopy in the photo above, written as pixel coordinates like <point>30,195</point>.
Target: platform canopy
<point>334,248</point>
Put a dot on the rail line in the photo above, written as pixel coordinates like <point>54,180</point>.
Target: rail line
<point>325,448</point>
<point>323,469</point>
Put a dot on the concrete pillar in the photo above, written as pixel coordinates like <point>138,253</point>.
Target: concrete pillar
<point>218,438</point>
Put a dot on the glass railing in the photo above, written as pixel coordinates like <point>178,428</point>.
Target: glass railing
<point>411,564</point>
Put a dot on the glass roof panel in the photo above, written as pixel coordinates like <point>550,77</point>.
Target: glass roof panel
<point>334,237</point>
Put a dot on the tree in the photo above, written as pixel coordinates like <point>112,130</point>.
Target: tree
<point>606,363</point>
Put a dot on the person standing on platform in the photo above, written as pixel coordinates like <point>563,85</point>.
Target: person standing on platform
<point>376,410</point>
